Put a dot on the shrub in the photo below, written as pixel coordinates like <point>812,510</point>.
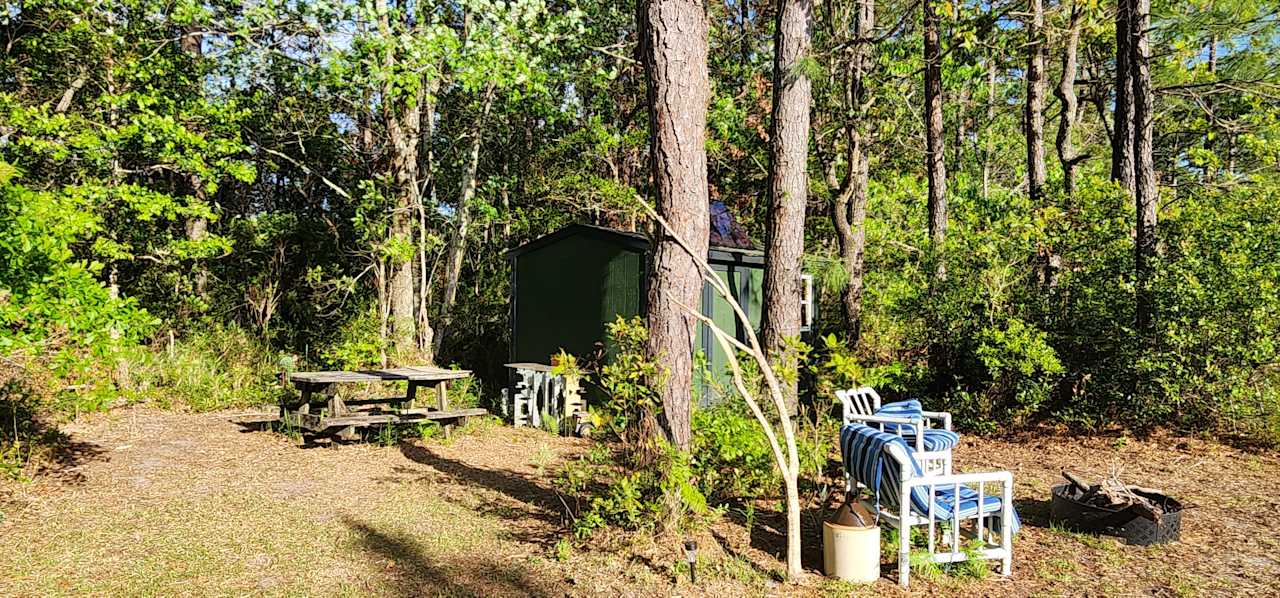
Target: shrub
<point>610,494</point>
<point>629,380</point>
<point>731,455</point>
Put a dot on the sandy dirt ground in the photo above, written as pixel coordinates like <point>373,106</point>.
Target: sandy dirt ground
<point>151,502</point>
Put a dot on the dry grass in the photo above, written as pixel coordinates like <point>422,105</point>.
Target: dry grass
<point>194,504</point>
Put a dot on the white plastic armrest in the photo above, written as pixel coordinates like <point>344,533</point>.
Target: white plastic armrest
<point>918,423</point>
<point>926,458</point>
<point>885,419</point>
<point>1003,477</point>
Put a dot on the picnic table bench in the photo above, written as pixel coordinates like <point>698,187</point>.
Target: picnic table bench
<point>322,411</point>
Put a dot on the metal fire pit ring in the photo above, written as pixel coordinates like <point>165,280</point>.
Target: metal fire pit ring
<point>1125,523</point>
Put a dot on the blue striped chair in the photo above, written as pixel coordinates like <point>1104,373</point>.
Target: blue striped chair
<point>885,465</point>
<point>907,419</point>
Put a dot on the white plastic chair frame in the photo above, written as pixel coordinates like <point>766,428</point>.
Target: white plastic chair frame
<point>860,405</point>
<point>901,517</point>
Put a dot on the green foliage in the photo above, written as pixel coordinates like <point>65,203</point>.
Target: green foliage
<point>359,344</point>
<point>221,368</point>
<point>612,494</point>
<point>48,296</point>
<point>563,550</point>
<point>566,364</point>
<point>731,454</point>
<point>629,378</point>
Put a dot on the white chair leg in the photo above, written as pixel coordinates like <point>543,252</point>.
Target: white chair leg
<point>1006,529</point>
<point>904,546</point>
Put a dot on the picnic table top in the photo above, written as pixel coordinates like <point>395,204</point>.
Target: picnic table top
<point>416,373</point>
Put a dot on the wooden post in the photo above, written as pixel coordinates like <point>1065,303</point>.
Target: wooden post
<point>410,395</point>
<point>336,406</point>
<point>442,402</point>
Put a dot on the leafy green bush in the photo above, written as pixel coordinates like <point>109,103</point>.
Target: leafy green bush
<point>1218,297</point>
<point>629,379</point>
<point>606,493</point>
<point>358,344</point>
<point>731,455</point>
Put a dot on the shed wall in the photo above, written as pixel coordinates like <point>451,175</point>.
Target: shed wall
<point>566,292</point>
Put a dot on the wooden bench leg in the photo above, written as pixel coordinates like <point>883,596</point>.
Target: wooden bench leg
<point>410,395</point>
<point>442,403</point>
<point>348,433</point>
<point>336,406</point>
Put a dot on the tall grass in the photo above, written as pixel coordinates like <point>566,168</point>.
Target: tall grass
<point>221,368</point>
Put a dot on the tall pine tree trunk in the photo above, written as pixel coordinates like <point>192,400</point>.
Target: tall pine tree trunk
<point>1066,93</point>
<point>788,179</point>
<point>673,47</point>
<point>1146,192</point>
<point>1033,115</point>
<point>935,152</point>
<point>1122,130</point>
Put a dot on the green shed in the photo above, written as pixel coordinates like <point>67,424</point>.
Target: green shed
<point>567,285</point>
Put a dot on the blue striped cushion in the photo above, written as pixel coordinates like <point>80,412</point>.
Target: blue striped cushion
<point>866,460</point>
<point>909,408</point>
<point>936,439</point>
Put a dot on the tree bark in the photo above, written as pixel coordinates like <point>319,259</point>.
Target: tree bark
<point>788,179</point>
<point>1122,130</point>
<point>849,210</point>
<point>403,116</point>
<point>1066,93</point>
<point>197,227</point>
<point>426,192</point>
<point>1033,114</point>
<point>935,152</point>
<point>462,221</point>
<point>1146,191</point>
<point>673,46</point>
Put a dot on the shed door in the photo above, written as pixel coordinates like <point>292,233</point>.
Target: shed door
<point>746,286</point>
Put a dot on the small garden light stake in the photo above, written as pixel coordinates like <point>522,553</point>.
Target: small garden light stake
<point>691,557</point>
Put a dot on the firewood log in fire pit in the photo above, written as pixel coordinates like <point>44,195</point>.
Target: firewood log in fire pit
<point>1140,515</point>
<point>1114,494</point>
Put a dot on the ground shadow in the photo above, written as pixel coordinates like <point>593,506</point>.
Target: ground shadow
<point>544,503</point>
<point>303,440</point>
<point>769,534</point>
<point>51,452</point>
<point>414,573</point>
<point>65,456</point>
<point>264,423</point>
<point>1032,512</point>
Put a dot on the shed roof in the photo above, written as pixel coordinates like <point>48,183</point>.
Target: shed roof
<point>638,242</point>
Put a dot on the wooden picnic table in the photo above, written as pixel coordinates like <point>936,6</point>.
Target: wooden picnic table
<point>321,410</point>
